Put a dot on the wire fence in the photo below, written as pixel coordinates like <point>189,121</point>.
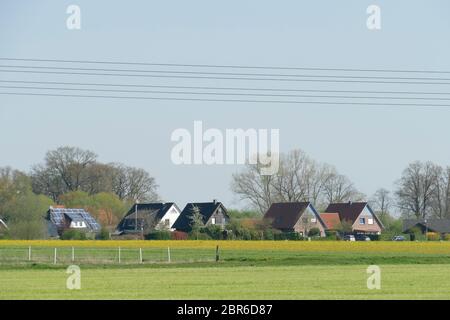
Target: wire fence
<point>84,255</point>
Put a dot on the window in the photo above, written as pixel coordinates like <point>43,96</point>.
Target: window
<point>213,221</point>
<point>313,220</point>
<point>362,220</point>
<point>370,221</point>
<point>167,222</point>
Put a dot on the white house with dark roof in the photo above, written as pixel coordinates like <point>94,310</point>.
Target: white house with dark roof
<point>212,213</point>
<point>149,216</point>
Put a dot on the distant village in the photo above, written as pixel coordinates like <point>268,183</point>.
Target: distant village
<point>352,221</point>
<point>71,195</point>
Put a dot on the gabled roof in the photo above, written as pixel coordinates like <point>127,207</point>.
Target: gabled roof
<point>159,209</point>
<point>206,210</point>
<point>284,215</point>
<point>59,215</point>
<point>433,225</point>
<point>331,220</point>
<point>348,211</point>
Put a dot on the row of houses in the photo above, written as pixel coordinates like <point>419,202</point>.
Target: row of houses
<point>301,217</point>
<point>298,217</point>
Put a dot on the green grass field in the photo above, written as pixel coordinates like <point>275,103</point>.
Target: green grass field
<point>246,270</point>
<point>242,282</point>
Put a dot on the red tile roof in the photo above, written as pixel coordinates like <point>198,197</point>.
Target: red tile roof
<point>331,220</point>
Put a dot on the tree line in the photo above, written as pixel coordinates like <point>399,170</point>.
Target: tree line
<point>75,178</point>
<point>299,178</point>
<point>423,190</point>
<point>72,177</point>
<point>68,169</point>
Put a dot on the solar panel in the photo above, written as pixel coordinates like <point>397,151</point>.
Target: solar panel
<point>57,217</point>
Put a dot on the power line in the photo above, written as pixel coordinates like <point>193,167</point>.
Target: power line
<point>224,78</point>
<point>225,88</point>
<point>222,66</point>
<point>224,94</point>
<point>225,73</point>
<point>225,100</point>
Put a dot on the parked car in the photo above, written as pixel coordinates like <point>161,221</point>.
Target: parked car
<point>362,237</point>
<point>399,238</point>
<point>349,237</point>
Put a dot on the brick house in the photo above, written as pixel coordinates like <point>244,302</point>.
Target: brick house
<point>298,217</point>
<point>359,214</point>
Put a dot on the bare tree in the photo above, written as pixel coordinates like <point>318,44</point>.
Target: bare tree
<point>340,189</point>
<point>316,180</point>
<point>440,202</point>
<point>417,188</point>
<point>141,186</point>
<point>381,202</point>
<point>255,188</point>
<point>65,170</point>
<point>299,178</point>
<point>289,184</point>
<point>69,169</point>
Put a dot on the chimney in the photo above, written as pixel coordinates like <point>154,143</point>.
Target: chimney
<point>350,202</point>
<point>215,201</point>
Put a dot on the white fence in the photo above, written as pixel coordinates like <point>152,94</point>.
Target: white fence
<point>86,255</point>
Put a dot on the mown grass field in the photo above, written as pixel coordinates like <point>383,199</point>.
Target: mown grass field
<point>246,270</point>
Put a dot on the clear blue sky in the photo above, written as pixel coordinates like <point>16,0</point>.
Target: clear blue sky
<point>371,145</point>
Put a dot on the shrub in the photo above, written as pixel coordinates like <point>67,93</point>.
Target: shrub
<point>256,234</point>
<point>159,235</point>
<point>179,235</point>
<point>447,237</point>
<point>103,234</point>
<point>198,236</point>
<point>288,236</point>
<point>433,236</point>
<point>213,231</point>
<point>314,232</point>
<point>268,235</point>
<point>331,235</point>
<point>72,234</point>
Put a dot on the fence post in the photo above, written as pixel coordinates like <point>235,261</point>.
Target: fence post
<point>217,253</point>
<point>29,253</point>
<point>54,257</point>
<point>168,254</point>
<point>140,255</point>
<point>73,254</point>
<point>119,254</point>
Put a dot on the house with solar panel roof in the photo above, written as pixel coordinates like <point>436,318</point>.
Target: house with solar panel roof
<point>61,219</point>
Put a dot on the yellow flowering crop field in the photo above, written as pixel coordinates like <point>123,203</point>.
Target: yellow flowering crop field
<point>430,247</point>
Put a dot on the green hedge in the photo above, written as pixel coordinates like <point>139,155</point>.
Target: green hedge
<point>158,235</point>
<point>288,236</point>
<point>73,235</point>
